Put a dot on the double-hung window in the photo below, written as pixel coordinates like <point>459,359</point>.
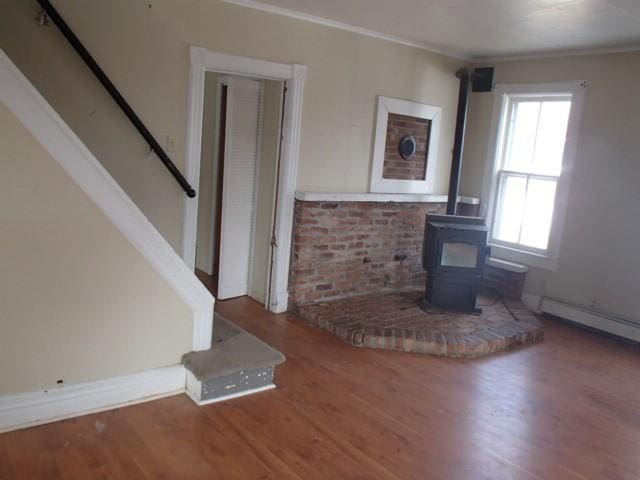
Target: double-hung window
<point>535,141</point>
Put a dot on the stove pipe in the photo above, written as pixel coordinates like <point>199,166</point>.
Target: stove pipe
<point>480,80</point>
<point>458,142</point>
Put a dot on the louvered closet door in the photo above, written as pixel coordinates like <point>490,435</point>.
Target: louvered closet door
<point>239,186</point>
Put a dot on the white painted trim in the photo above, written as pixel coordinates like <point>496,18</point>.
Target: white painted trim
<point>345,26</point>
<point>45,406</point>
<point>378,183</point>
<point>379,197</point>
<point>544,259</point>
<point>33,111</point>
<point>203,60</point>
<point>592,318</point>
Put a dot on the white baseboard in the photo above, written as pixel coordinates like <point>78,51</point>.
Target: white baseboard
<point>36,408</point>
<point>594,319</point>
<point>532,302</point>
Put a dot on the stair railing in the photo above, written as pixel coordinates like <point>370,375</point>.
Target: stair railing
<point>52,13</point>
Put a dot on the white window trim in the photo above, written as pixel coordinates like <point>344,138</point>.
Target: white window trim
<point>547,259</point>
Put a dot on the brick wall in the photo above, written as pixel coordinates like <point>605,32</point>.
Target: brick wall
<point>353,248</point>
<point>395,167</point>
<point>342,249</point>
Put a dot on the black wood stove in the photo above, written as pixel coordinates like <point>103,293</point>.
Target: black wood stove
<point>453,254</point>
<point>455,247</point>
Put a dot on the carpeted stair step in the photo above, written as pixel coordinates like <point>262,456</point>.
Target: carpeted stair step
<point>237,364</point>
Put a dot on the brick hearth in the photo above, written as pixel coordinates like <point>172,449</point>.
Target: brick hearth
<point>394,322</point>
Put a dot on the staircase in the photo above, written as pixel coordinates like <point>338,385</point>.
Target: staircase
<point>237,364</point>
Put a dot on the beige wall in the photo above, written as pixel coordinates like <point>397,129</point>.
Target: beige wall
<point>77,301</point>
<point>599,262</point>
<point>208,165</point>
<point>145,51</point>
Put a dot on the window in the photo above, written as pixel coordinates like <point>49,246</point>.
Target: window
<point>531,159</point>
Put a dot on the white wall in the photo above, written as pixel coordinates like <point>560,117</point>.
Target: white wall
<point>599,261</point>
<point>145,52</point>
<point>77,301</point>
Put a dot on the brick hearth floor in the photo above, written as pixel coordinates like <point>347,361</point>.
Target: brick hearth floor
<point>394,322</point>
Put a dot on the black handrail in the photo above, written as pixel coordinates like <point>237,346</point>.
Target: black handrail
<point>115,94</point>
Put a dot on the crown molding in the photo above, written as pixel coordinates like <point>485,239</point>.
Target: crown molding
<point>346,27</point>
<point>430,48</point>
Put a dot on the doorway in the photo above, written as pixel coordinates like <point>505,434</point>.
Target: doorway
<point>293,75</point>
<point>240,153</point>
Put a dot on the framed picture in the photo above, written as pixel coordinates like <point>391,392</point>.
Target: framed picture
<point>405,152</point>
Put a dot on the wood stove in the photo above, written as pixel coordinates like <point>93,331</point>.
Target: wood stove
<point>453,254</point>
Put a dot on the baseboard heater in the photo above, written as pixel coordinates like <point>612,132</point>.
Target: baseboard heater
<point>592,318</point>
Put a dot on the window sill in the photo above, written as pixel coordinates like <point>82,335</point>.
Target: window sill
<point>527,258</point>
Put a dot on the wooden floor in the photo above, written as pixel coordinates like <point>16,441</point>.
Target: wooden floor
<point>568,408</point>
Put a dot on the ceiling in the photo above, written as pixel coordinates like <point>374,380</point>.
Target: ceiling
<point>476,29</point>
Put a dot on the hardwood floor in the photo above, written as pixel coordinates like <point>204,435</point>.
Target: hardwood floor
<point>568,408</point>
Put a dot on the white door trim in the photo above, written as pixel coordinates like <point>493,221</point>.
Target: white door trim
<point>203,60</point>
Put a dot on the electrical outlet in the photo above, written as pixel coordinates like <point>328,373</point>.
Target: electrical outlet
<point>171,143</point>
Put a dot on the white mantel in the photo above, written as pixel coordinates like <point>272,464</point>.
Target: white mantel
<point>379,197</point>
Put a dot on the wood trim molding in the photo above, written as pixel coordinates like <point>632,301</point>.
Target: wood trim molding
<point>203,60</point>
<point>50,130</point>
<point>379,197</point>
<point>386,106</point>
<point>45,406</point>
<point>593,319</point>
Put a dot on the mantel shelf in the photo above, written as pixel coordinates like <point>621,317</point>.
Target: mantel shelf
<point>379,197</point>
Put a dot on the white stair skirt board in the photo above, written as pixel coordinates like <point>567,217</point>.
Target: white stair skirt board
<point>33,111</point>
<point>239,186</point>
<point>35,408</point>
<point>594,319</point>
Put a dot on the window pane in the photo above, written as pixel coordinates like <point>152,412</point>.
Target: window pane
<point>510,207</point>
<point>538,213</point>
<point>522,136</point>
<point>552,132</point>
